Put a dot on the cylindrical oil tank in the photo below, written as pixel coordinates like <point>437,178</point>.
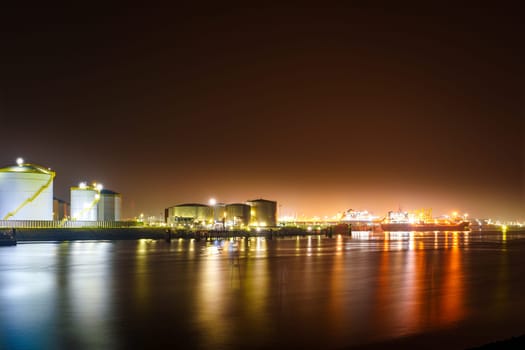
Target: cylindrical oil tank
<point>192,211</point>
<point>263,212</point>
<point>219,212</point>
<point>238,214</point>
<point>109,206</point>
<point>84,203</point>
<point>26,192</point>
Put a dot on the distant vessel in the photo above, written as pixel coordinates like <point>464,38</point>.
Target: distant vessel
<point>402,221</point>
<point>360,220</point>
<point>425,226</point>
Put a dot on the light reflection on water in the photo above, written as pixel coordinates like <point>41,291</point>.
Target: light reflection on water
<point>301,291</point>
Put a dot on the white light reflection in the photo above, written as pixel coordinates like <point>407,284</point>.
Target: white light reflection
<point>27,296</point>
<point>89,296</point>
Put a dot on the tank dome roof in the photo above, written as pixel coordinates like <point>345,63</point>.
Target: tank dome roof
<point>109,192</point>
<point>26,168</point>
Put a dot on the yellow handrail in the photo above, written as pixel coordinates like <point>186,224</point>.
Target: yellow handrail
<point>95,201</point>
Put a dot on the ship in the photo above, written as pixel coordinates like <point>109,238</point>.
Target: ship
<point>403,221</point>
<point>360,220</point>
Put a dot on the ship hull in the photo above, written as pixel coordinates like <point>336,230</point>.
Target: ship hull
<point>462,226</point>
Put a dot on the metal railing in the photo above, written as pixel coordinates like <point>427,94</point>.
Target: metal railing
<point>65,224</point>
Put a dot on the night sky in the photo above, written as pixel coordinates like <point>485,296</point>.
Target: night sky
<point>321,109</point>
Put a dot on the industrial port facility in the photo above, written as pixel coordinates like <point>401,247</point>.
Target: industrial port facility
<point>259,213</point>
<point>26,200</point>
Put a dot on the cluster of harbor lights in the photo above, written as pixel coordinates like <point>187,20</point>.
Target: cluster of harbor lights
<point>27,201</point>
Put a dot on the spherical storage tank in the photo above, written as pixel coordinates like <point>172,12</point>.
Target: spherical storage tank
<point>26,192</point>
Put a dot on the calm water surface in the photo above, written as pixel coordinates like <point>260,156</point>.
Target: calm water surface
<point>371,290</point>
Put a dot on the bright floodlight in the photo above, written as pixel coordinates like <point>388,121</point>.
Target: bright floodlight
<point>99,187</point>
<point>19,161</point>
<point>82,185</point>
<point>212,201</point>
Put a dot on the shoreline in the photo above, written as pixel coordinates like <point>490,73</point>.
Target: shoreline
<point>84,234</point>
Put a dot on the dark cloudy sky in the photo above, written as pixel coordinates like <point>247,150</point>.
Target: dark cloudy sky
<point>321,109</point>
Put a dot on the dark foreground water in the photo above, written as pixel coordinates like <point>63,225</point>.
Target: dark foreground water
<point>400,290</point>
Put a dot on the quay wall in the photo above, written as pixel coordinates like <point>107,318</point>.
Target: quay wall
<point>72,234</point>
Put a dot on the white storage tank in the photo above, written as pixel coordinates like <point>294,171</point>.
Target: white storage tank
<point>109,206</point>
<point>26,192</point>
<point>84,202</point>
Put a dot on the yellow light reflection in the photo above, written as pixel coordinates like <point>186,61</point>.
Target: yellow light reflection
<point>213,299</point>
<point>255,289</point>
<point>142,274</point>
<point>339,245</point>
<point>411,241</point>
<point>452,308</point>
<point>455,240</point>
<point>336,300</point>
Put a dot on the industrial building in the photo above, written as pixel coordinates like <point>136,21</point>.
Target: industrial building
<point>258,213</point>
<point>26,192</point>
<point>26,200</point>
<point>60,209</point>
<point>263,212</point>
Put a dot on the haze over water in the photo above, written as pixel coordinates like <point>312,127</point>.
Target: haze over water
<point>406,289</point>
